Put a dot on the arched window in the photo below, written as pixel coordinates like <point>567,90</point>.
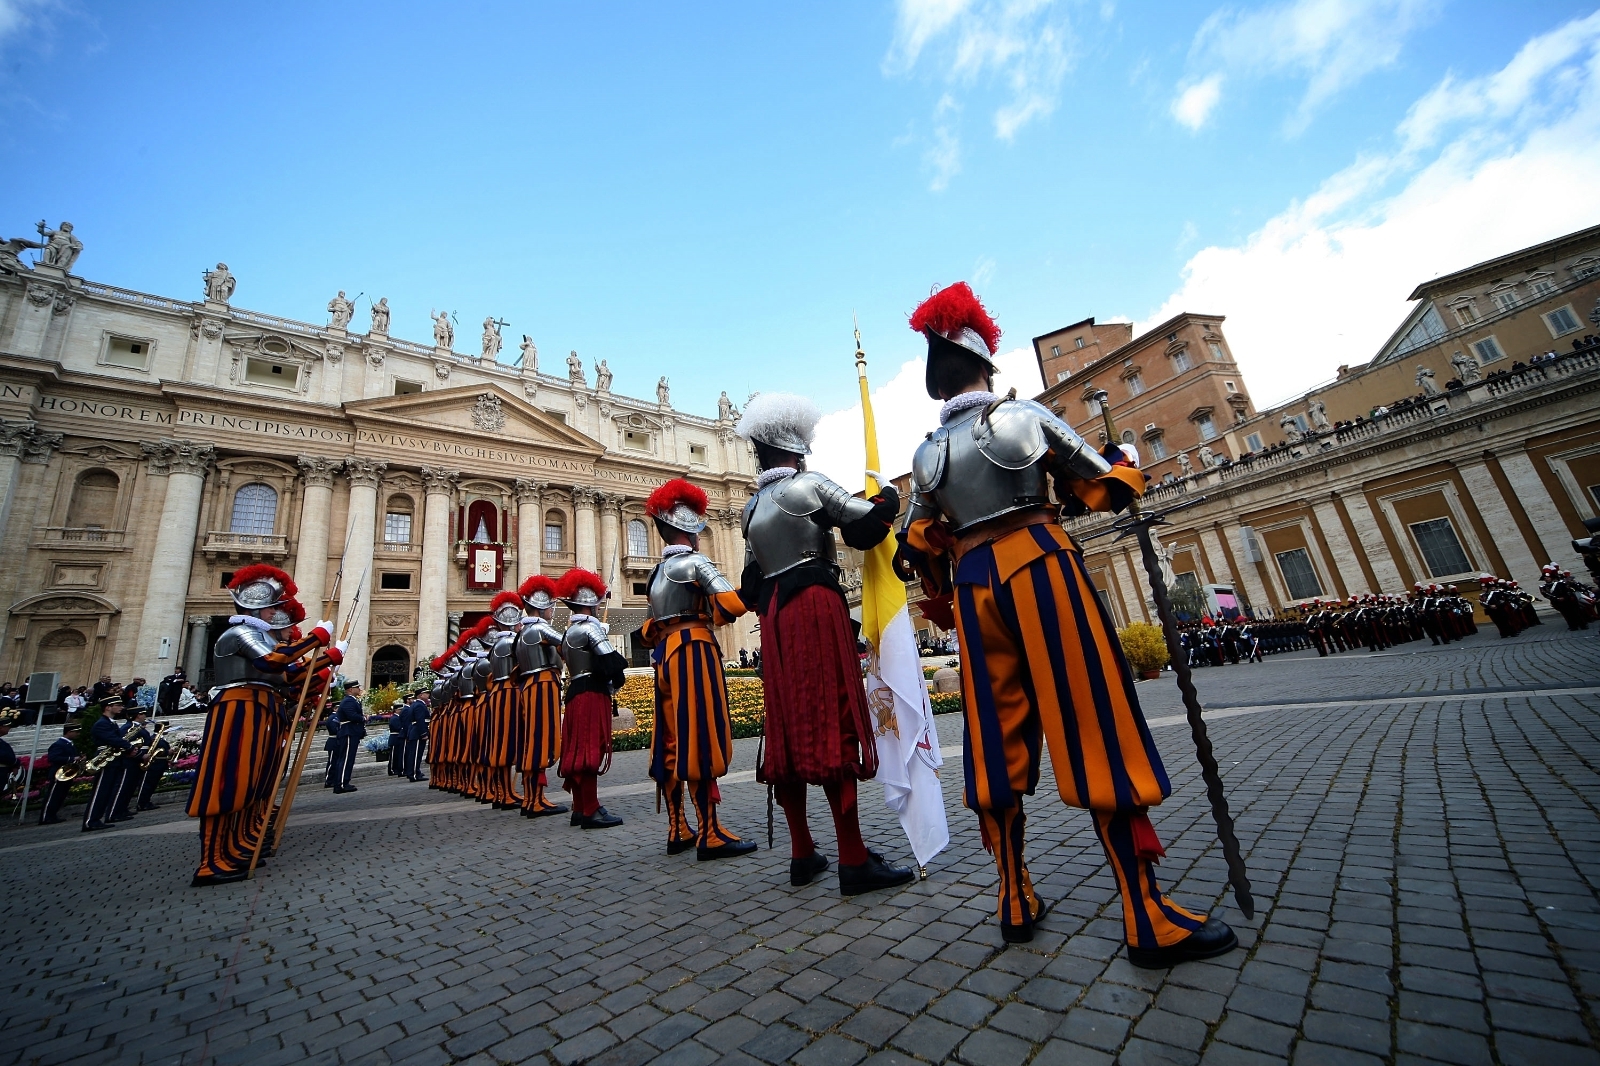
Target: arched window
<point>555,531</point>
<point>483,523</point>
<point>61,652</point>
<point>255,509</point>
<point>638,538</point>
<point>391,665</point>
<point>94,500</point>
<point>397,519</point>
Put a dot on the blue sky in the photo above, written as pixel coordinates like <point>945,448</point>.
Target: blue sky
<point>707,191</point>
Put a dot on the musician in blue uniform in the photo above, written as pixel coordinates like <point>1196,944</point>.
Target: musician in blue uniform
<point>106,734</point>
<point>416,737</point>
<point>351,723</point>
<point>63,751</point>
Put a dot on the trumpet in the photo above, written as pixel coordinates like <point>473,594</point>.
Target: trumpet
<point>90,766</point>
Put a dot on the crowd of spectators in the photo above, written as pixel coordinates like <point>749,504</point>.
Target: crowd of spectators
<point>176,694</point>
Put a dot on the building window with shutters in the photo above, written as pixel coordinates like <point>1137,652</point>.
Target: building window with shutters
<point>555,526</point>
<point>255,510</point>
<point>1561,321</point>
<point>1488,350</point>
<point>1158,448</point>
<point>1298,574</point>
<point>1181,361</point>
<point>1206,428</point>
<point>1135,384</point>
<point>1441,548</point>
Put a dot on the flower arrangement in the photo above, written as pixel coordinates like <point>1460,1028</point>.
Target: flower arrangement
<point>377,744</point>
<point>1145,648</point>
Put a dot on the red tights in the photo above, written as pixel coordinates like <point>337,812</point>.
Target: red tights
<point>842,801</point>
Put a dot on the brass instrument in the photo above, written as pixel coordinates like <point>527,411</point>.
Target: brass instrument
<point>149,742</point>
<point>90,766</point>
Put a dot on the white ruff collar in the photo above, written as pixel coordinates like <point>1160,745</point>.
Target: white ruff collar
<point>777,473</point>
<point>675,549</point>
<point>965,402</point>
<point>249,620</point>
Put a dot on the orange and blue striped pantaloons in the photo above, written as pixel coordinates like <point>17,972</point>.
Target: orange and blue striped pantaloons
<point>538,734</point>
<point>693,734</point>
<point>237,757</point>
<point>1041,665</point>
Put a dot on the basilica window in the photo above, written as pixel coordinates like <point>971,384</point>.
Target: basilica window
<point>483,522</point>
<point>397,520</point>
<point>638,538</point>
<point>555,531</point>
<point>94,502</point>
<point>1440,547</point>
<point>255,510</point>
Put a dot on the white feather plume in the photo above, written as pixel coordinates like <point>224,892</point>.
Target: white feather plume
<point>787,413</point>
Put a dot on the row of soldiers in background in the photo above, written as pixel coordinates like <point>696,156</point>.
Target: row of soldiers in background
<point>1379,621</point>
<point>1215,643</point>
<point>1575,600</point>
<point>1507,605</point>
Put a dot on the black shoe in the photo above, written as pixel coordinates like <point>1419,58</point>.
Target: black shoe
<point>678,847</point>
<point>92,826</point>
<point>577,819</point>
<point>725,851</point>
<point>347,788</point>
<point>327,784</point>
<point>801,871</point>
<point>205,880</point>
<point>50,821</point>
<point>872,875</point>
<point>600,819</point>
<point>147,806</point>
<point>1210,940</point>
<point>1022,934</point>
<point>545,812</point>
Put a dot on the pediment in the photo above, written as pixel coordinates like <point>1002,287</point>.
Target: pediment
<point>485,410</point>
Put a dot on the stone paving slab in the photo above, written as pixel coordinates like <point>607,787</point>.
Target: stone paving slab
<point>1423,851</point>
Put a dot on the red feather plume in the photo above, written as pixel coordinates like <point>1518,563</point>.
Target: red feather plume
<point>257,571</point>
<point>576,579</point>
<point>537,583</point>
<point>674,492</point>
<point>504,598</point>
<point>437,663</point>
<point>481,628</point>
<point>950,309</point>
<point>293,635</point>
<point>295,610</point>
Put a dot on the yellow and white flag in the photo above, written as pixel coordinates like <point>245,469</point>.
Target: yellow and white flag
<point>908,744</point>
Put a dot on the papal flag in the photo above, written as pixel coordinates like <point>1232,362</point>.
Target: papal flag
<point>908,745</point>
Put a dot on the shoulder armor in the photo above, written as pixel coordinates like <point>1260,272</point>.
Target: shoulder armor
<point>927,464</point>
<point>1011,435</point>
<point>245,641</point>
<point>800,495</point>
<point>692,568</point>
<point>744,518</point>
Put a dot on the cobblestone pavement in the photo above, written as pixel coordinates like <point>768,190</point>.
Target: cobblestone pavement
<point>1420,826</point>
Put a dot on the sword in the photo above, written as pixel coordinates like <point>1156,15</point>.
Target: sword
<point>1139,523</point>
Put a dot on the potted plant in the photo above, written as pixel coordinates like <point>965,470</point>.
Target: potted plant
<point>1145,648</point>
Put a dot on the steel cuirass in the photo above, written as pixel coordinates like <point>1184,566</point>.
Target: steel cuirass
<point>679,584</point>
<point>502,655</point>
<point>236,652</point>
<point>585,643</point>
<point>482,671</point>
<point>537,646</point>
<point>987,462</point>
<point>789,522</point>
<point>466,682</point>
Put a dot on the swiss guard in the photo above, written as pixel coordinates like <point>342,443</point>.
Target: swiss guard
<point>246,723</point>
<point>819,731</point>
<point>693,734</point>
<point>502,719</point>
<point>539,697</point>
<point>595,670</point>
<point>1040,658</point>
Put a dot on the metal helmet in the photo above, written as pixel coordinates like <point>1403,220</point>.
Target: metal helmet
<point>955,322</point>
<point>582,590</point>
<point>506,609</point>
<point>260,586</point>
<point>679,504</point>
<point>538,592</point>
<point>780,420</point>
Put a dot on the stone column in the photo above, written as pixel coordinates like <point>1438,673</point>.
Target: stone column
<point>1503,528</point>
<point>1348,567</point>
<point>433,637</point>
<point>583,533</point>
<point>364,475</point>
<point>194,653</point>
<point>311,544</point>
<point>1372,545</point>
<point>530,527</point>
<point>1541,510</point>
<point>1131,611</point>
<point>610,530</point>
<point>184,464</point>
<point>20,442</point>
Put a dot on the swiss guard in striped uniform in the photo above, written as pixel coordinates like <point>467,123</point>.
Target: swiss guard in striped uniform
<point>245,725</point>
<point>693,734</point>
<point>819,731</point>
<point>503,721</point>
<point>595,670</point>
<point>539,697</point>
<point>1040,658</point>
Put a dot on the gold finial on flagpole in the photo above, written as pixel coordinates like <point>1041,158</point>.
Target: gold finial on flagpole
<point>861,355</point>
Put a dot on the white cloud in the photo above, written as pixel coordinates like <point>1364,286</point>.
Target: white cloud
<point>1024,45</point>
<point>1481,167</point>
<point>904,415</point>
<point>1193,105</point>
<point>17,15</point>
<point>1331,44</point>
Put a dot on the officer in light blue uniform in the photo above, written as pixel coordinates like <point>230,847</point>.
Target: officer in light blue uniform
<point>351,722</point>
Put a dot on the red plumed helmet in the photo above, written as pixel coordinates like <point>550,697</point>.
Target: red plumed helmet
<point>297,611</point>
<point>581,588</point>
<point>437,662</point>
<point>506,608</point>
<point>955,323</point>
<point>260,586</point>
<point>538,592</point>
<point>679,503</point>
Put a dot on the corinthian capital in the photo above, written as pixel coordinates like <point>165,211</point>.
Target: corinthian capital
<point>436,479</point>
<point>363,471</point>
<point>610,503</point>
<point>317,469</point>
<point>583,496</point>
<point>167,456</point>
<point>527,490</point>
<point>27,441</point>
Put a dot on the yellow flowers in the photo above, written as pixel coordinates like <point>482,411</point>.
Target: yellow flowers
<point>1144,646</point>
